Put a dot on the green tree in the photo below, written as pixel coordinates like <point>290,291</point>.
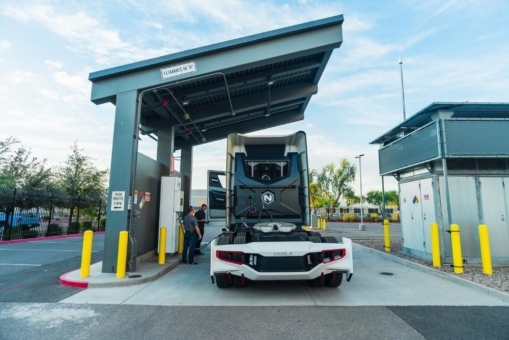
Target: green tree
<point>315,193</point>
<point>392,198</point>
<point>333,182</point>
<point>20,170</point>
<point>375,197</point>
<point>79,177</point>
<point>23,171</point>
<point>350,198</point>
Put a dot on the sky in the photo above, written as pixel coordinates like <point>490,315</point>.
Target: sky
<point>452,51</point>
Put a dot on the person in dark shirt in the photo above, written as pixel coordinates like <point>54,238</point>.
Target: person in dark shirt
<point>200,216</point>
<point>191,235</point>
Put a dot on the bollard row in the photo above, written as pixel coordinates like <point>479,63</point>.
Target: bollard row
<point>457,257</point>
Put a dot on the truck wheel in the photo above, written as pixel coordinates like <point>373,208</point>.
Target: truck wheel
<point>224,240</point>
<point>329,239</point>
<point>314,233</point>
<point>303,235</point>
<point>237,281</point>
<point>236,256</point>
<point>316,282</point>
<point>222,281</point>
<point>240,239</point>
<point>315,239</point>
<point>332,280</point>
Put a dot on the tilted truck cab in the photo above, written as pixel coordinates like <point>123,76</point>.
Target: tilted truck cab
<point>267,205</point>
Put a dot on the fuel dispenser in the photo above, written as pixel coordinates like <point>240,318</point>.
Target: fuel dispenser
<point>170,209</point>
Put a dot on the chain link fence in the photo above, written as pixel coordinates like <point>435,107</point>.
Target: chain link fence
<point>30,214</point>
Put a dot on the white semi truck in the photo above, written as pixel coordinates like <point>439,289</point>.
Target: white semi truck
<point>267,204</point>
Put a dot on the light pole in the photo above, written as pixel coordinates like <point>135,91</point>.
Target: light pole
<point>402,87</point>
<point>362,226</point>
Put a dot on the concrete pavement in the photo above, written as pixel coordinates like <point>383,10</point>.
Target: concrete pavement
<point>191,286</point>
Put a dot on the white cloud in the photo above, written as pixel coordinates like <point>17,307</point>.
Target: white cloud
<point>76,82</point>
<point>4,45</point>
<point>53,64</point>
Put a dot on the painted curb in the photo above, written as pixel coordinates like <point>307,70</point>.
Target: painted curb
<point>47,238</point>
<point>120,283</point>
<point>458,280</point>
<point>72,283</point>
<point>138,281</point>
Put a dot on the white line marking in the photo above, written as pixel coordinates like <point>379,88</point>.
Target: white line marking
<point>20,264</point>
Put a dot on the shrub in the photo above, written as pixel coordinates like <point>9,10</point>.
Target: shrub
<point>102,224</point>
<point>16,233</point>
<point>45,218</point>
<point>73,228</point>
<point>86,225</point>
<point>346,217</point>
<point>395,217</point>
<point>30,233</point>
<point>55,229</point>
<point>352,218</point>
<point>374,217</point>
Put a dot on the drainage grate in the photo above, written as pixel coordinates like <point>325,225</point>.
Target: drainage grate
<point>135,276</point>
<point>386,273</point>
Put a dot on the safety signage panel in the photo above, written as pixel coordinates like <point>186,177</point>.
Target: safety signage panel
<point>117,200</point>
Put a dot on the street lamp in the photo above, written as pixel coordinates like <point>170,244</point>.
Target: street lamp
<point>362,226</point>
<point>402,87</point>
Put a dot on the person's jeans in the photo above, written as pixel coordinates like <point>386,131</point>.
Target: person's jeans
<point>189,242</point>
<point>197,246</point>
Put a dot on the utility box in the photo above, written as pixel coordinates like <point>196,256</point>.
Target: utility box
<point>170,210</point>
<point>451,161</point>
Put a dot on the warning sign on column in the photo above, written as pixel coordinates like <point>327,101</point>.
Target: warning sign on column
<point>117,200</point>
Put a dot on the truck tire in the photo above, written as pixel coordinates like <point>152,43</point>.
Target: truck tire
<point>315,239</point>
<point>224,240</point>
<point>222,281</point>
<point>316,282</point>
<point>314,233</point>
<point>303,235</point>
<point>329,239</point>
<point>238,257</point>
<point>239,240</point>
<point>332,280</point>
<point>237,281</point>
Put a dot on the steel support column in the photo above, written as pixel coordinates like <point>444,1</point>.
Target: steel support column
<point>165,146</point>
<point>186,169</point>
<point>121,174</point>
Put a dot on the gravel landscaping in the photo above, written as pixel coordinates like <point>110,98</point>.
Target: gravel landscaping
<point>499,280</point>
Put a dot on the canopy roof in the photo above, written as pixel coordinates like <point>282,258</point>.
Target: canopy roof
<point>242,85</point>
<point>458,109</point>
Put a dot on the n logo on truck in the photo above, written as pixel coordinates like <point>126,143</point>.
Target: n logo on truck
<point>268,197</point>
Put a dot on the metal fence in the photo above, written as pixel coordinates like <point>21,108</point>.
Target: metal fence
<point>30,214</point>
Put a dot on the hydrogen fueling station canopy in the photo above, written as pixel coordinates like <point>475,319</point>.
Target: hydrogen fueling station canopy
<point>230,86</point>
<point>197,96</point>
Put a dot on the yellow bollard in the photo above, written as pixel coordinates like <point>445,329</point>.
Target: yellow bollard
<point>387,236</point>
<point>435,245</point>
<point>122,254</point>
<point>324,224</point>
<point>181,239</point>
<point>162,246</point>
<point>484,240</point>
<point>86,255</point>
<point>457,257</point>
<point>319,223</point>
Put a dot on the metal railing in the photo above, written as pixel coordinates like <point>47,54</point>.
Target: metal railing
<point>30,214</point>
